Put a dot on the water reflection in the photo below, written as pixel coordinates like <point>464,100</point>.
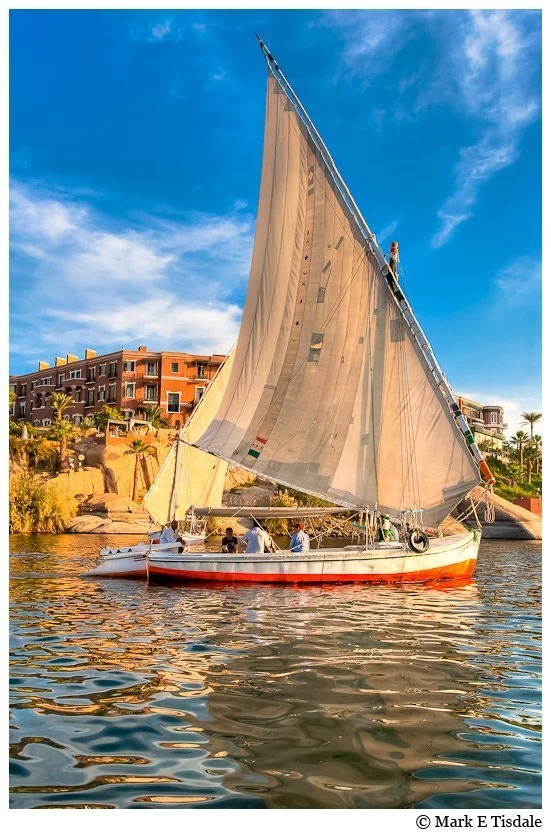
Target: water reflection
<point>126,694</point>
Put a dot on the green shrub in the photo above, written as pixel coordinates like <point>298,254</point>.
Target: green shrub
<point>36,505</point>
<point>289,498</point>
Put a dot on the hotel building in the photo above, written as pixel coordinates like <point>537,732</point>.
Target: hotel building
<point>130,380</point>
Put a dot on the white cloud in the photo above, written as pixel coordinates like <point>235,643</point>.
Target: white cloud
<point>519,281</point>
<point>387,231</point>
<point>513,405</point>
<point>371,39</point>
<point>161,30</point>
<point>493,68</point>
<point>85,279</point>
<point>480,63</point>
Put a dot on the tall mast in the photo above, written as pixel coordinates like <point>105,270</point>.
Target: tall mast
<point>372,246</point>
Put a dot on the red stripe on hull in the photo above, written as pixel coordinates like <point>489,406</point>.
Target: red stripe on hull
<point>464,569</point>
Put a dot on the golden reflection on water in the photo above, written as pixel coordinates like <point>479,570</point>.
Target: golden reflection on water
<point>333,696</point>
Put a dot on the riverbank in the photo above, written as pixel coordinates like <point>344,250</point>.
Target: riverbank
<point>96,498</point>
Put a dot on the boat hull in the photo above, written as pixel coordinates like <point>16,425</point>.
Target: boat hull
<point>447,559</point>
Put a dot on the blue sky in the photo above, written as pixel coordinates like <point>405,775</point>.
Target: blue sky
<point>136,141</point>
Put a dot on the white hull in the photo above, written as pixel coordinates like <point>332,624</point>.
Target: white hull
<point>131,561</point>
<point>446,559</point>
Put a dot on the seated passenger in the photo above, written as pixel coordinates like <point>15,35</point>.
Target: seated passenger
<point>229,542</point>
<point>300,541</point>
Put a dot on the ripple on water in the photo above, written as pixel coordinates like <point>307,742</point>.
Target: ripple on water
<point>125,694</point>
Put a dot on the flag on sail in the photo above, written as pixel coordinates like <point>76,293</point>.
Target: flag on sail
<point>329,392</point>
<point>189,476</point>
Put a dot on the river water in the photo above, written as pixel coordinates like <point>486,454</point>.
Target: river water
<point>129,695</point>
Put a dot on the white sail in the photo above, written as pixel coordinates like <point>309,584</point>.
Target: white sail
<point>189,476</point>
<point>329,392</point>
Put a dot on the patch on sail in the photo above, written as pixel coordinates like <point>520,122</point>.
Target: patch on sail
<point>315,346</point>
<point>257,447</point>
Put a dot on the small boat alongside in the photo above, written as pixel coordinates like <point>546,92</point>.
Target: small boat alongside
<point>446,558</point>
<point>187,475</point>
<point>131,561</point>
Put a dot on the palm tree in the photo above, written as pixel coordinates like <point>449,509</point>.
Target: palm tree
<point>63,432</point>
<point>537,445</point>
<point>531,456</point>
<point>139,450</point>
<point>156,415</point>
<point>60,402</point>
<point>520,439</point>
<point>104,415</point>
<point>531,419</point>
<point>485,446</point>
<point>87,423</point>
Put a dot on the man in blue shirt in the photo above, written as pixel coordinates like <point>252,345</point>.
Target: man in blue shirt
<point>300,542</point>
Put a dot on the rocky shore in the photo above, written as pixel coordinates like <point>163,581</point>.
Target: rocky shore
<point>103,482</point>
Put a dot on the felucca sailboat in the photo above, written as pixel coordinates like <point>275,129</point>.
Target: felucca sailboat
<point>334,389</point>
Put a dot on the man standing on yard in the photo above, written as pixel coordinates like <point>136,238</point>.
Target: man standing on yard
<point>300,541</point>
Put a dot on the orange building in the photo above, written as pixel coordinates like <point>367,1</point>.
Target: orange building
<point>130,380</point>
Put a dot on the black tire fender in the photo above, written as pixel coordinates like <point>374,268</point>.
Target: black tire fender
<point>418,541</point>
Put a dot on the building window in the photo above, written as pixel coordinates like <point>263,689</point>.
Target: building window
<point>78,396</point>
<point>47,381</point>
<point>201,371</point>
<point>91,376</point>
<point>151,368</point>
<point>130,390</point>
<point>23,390</point>
<point>174,367</point>
<point>75,374</point>
<point>129,366</point>
<point>37,423</point>
<point>101,393</point>
<point>199,391</point>
<point>102,369</point>
<point>77,419</point>
<point>150,392</point>
<point>22,408</point>
<point>494,418</point>
<point>60,379</point>
<point>111,393</point>
<point>46,423</point>
<point>90,397</point>
<point>173,402</point>
<point>113,369</point>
